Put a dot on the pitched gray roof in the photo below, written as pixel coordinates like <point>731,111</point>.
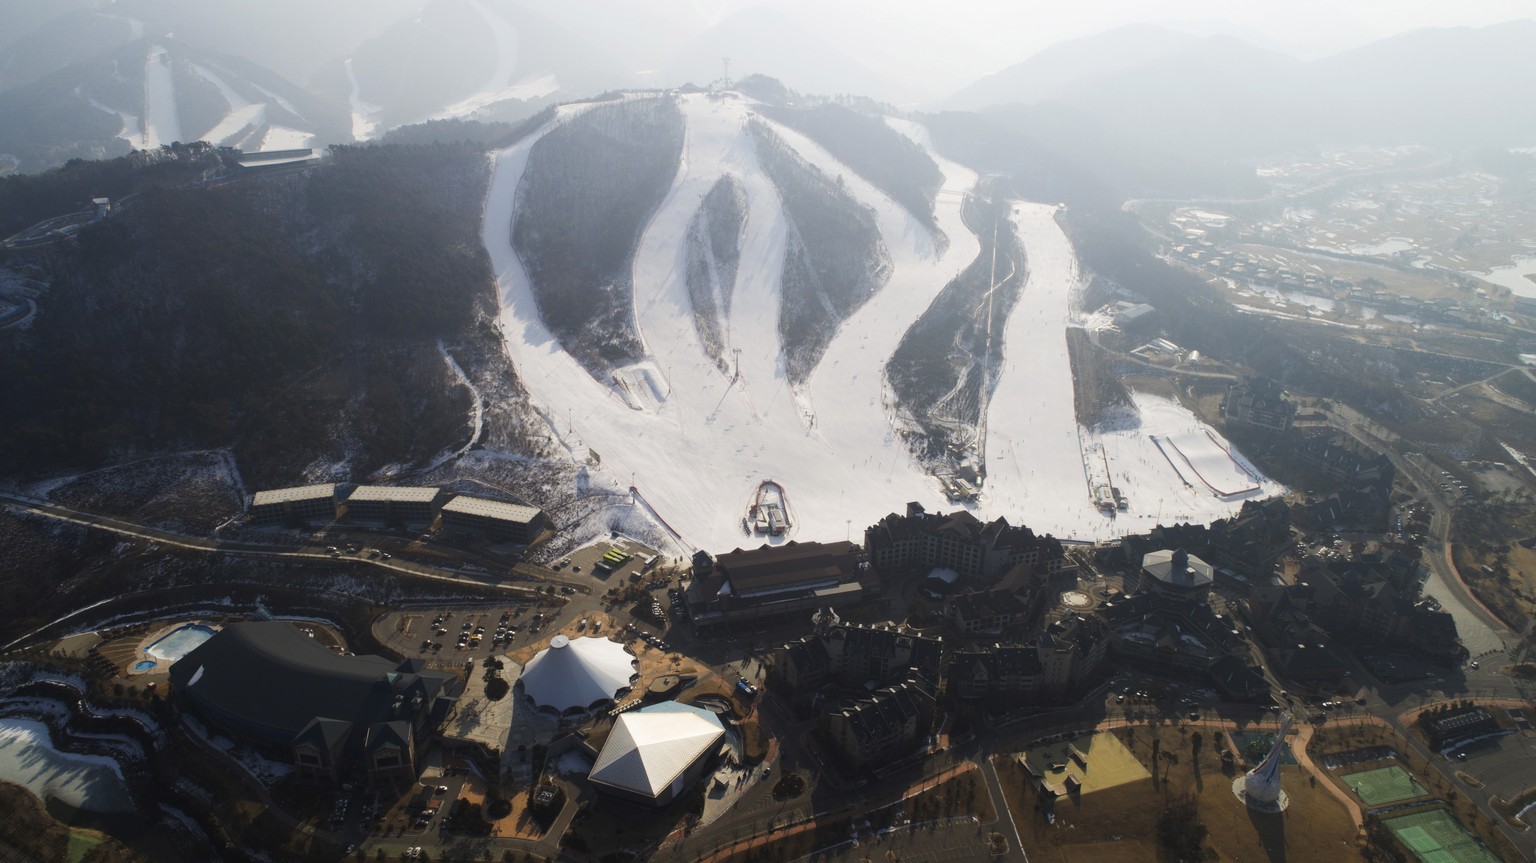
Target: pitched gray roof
<point>268,680</point>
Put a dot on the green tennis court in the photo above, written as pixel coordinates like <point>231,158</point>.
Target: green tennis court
<point>1384,785</point>
<point>1436,837</point>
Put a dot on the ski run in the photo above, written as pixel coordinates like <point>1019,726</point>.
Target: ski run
<point>697,442</point>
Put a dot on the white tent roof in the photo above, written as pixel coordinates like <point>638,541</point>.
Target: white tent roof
<point>649,748</point>
<point>574,675</point>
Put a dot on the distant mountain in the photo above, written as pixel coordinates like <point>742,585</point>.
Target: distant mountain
<point>464,59</point>
<point>765,41</point>
<point>294,38</point>
<point>71,36</point>
<point>1452,87</point>
<point>1050,72</point>
<point>1226,99</point>
<point>146,93</point>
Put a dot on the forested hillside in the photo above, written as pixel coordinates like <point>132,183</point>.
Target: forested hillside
<point>26,199</point>
<point>714,252</point>
<point>292,317</point>
<point>880,154</point>
<point>590,187</point>
<point>835,260</point>
<point>937,372</point>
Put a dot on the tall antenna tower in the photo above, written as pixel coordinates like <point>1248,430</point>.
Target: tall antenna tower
<point>726,61</point>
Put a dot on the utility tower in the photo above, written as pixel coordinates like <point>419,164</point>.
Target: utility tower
<point>726,61</point>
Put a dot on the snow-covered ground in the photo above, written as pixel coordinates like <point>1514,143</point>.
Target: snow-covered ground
<point>1513,277</point>
<point>476,410</point>
<point>29,759</point>
<point>697,442</point>
<point>1041,464</point>
<point>365,117</point>
<point>131,131</point>
<point>162,124</point>
<point>284,138</point>
<point>242,114</point>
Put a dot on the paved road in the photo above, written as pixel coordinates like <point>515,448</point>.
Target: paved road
<point>1004,813</point>
<point>1480,631</point>
<point>487,580</point>
<point>198,543</point>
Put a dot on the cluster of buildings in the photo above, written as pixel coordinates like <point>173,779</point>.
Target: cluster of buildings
<point>920,541</point>
<point>1258,403</point>
<point>1365,482</point>
<point>1372,600</point>
<point>1167,625</point>
<point>409,506</point>
<point>875,688</point>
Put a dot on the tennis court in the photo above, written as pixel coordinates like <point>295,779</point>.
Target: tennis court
<point>1436,837</point>
<point>1384,785</point>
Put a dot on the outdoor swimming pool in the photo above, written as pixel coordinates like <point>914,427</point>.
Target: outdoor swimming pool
<point>179,642</point>
<point>144,665</point>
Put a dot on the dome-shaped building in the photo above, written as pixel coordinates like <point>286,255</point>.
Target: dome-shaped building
<point>1176,575</point>
<point>577,676</point>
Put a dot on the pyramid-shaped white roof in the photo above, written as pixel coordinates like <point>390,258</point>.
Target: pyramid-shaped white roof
<point>576,674</point>
<point>651,747</point>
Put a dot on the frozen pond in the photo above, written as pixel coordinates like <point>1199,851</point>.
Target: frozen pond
<point>89,782</point>
<point>1513,277</point>
<point>1390,246</point>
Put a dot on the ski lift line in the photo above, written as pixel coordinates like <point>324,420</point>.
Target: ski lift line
<point>984,398</point>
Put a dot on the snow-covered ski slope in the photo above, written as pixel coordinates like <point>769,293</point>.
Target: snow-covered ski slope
<point>697,442</point>
<point>162,125</point>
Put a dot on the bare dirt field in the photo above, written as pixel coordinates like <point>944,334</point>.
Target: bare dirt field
<point>1121,822</point>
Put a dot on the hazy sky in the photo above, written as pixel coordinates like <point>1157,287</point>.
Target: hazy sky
<point>952,42</point>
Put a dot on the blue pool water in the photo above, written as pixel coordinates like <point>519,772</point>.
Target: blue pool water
<point>144,665</point>
<point>179,642</point>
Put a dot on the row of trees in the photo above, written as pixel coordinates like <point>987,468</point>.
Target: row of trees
<point>589,188</point>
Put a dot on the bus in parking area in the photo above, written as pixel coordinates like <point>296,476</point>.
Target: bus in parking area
<point>613,560</point>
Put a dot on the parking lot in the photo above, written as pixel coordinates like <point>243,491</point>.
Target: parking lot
<point>588,560</point>
<point>450,637</point>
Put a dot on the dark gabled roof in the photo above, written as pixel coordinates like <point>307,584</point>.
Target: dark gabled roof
<point>271,681</point>
<point>809,655</point>
<point>770,567</point>
<point>328,735</point>
<point>887,709</point>
<point>960,525</point>
<point>924,653</point>
<point>996,662</point>
<point>974,605</point>
<point>1235,677</point>
<point>396,732</point>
